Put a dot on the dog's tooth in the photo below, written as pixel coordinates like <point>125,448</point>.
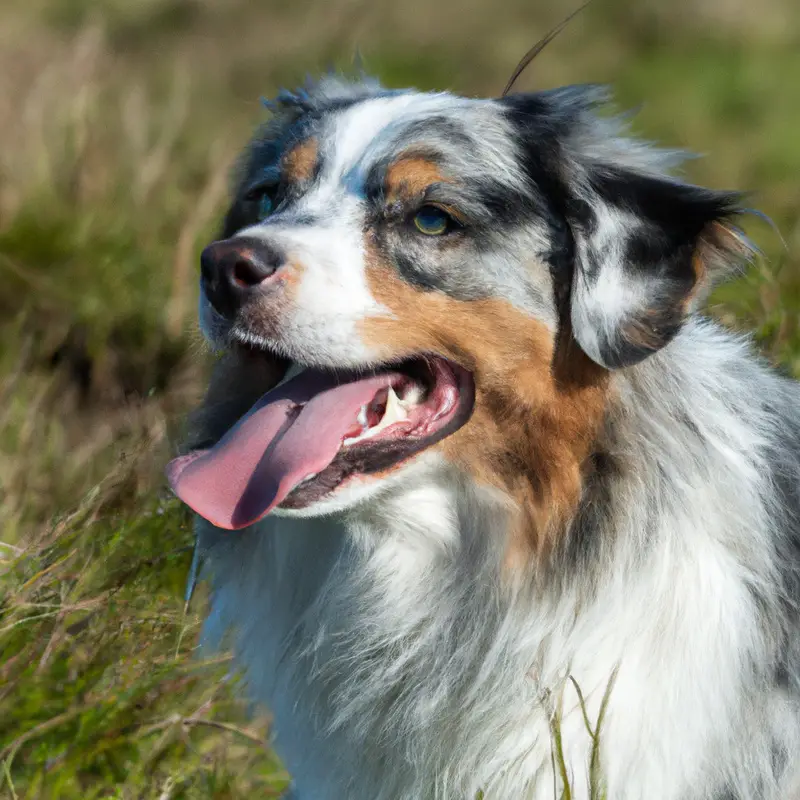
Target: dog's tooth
<point>394,410</point>
<point>362,417</point>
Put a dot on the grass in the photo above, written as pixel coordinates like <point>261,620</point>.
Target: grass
<point>117,122</point>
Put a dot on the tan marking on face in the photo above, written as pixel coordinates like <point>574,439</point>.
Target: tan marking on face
<point>301,161</point>
<point>538,407</point>
<point>409,177</point>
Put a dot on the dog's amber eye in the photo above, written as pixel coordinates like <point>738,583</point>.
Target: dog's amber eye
<point>432,221</point>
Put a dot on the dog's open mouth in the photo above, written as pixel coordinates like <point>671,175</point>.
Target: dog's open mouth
<point>310,434</point>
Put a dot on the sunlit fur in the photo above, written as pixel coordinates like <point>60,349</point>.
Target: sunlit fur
<point>404,654</point>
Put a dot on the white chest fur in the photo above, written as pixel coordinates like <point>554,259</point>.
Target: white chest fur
<point>399,664</point>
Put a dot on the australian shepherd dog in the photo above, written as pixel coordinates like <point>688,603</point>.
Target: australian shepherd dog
<point>486,502</point>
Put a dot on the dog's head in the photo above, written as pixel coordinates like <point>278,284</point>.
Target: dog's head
<point>436,279</point>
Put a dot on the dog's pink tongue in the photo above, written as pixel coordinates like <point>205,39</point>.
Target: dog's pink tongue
<point>292,432</point>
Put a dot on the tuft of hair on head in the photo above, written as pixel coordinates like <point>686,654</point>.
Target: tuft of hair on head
<point>537,48</point>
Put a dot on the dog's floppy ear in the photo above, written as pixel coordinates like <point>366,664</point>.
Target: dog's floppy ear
<point>647,250</point>
<point>643,248</point>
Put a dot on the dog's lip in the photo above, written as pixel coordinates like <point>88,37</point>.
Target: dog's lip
<point>306,436</point>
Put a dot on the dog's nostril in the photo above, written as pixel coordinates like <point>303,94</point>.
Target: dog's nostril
<point>250,270</point>
<point>234,270</point>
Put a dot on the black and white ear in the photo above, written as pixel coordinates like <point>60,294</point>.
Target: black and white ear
<point>647,251</point>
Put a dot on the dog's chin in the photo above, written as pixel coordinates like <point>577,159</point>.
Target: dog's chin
<point>214,328</point>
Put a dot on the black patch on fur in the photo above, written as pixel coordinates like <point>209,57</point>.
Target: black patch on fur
<point>672,216</point>
<point>237,217</point>
<point>658,252</point>
<point>537,131</point>
<point>537,138</point>
<point>679,210</point>
<point>590,523</point>
<point>668,220</point>
<point>409,270</point>
<point>375,187</point>
<point>665,318</point>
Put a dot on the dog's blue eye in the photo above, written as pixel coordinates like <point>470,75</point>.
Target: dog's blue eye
<point>432,221</point>
<point>264,206</point>
<point>263,199</point>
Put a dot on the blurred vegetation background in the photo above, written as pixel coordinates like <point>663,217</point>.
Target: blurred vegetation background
<point>118,122</point>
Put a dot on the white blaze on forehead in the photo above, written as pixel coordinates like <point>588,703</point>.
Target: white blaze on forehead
<point>360,135</point>
<point>354,139</point>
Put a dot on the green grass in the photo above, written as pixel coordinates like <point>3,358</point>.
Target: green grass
<point>117,123</point>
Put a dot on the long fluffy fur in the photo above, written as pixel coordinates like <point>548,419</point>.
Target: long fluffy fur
<point>400,663</point>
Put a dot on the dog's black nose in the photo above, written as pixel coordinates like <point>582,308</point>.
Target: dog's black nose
<point>234,269</point>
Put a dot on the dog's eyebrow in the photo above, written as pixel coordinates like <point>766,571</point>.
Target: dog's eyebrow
<point>411,175</point>
<point>301,162</point>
